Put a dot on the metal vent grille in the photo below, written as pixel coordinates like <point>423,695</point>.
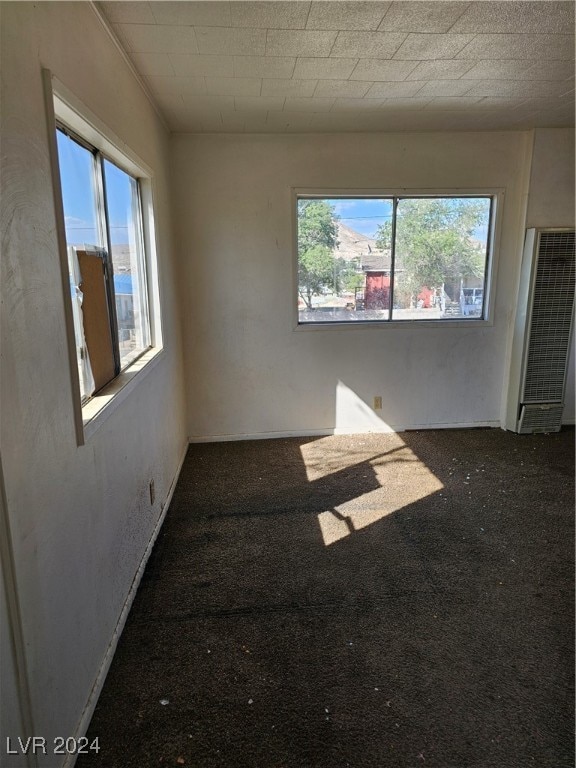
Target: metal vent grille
<point>551,319</point>
<point>540,418</point>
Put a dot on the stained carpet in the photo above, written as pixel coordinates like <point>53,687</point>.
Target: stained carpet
<point>368,601</point>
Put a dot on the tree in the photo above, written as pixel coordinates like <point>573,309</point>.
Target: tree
<point>317,238</point>
<point>315,272</point>
<point>350,274</point>
<point>435,241</point>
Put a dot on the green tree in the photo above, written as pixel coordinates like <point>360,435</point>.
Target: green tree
<point>317,238</point>
<point>350,275</point>
<point>315,272</point>
<point>435,241</point>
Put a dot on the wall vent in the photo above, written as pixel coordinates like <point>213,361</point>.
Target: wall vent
<point>543,332</point>
<point>540,418</point>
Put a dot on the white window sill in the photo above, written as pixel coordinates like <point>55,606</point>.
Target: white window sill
<point>396,324</point>
<point>102,405</point>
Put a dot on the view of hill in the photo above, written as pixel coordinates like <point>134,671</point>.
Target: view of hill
<point>353,245</point>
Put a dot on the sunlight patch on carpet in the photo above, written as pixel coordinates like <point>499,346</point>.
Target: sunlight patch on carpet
<point>394,478</point>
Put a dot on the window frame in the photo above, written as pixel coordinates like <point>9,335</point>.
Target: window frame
<point>63,108</point>
<point>496,195</point>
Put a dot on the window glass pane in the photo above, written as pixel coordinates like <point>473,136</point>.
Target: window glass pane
<point>78,193</point>
<point>124,222</point>
<point>76,165</point>
<point>343,259</point>
<point>440,258</point>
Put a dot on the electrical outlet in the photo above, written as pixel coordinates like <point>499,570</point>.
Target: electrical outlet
<point>377,403</point>
<point>152,492</point>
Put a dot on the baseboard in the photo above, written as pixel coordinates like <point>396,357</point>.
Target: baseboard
<point>86,716</point>
<point>337,431</point>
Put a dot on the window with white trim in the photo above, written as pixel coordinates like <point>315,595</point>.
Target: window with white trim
<point>394,258</point>
<point>106,260</point>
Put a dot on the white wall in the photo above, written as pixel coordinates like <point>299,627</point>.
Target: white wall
<point>248,371</point>
<point>80,517</point>
<point>551,204</point>
<point>15,708</point>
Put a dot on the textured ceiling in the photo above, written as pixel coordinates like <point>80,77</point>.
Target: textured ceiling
<point>352,66</point>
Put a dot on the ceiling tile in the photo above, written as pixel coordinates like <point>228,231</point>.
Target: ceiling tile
<point>346,15</point>
<point>549,70</point>
<point>377,45</point>
<point>234,86</point>
<point>392,121</point>
<point>444,88</point>
<point>452,103</point>
<point>288,42</point>
<point>198,65</point>
<point>497,120</point>
<point>496,69</point>
<point>149,38</point>
<point>399,120</point>
<point>432,46</point>
<point>270,15</point>
<point>309,105</point>
<point>544,105</point>
<point>517,88</point>
<point>382,69</point>
<point>285,87</point>
<point>517,16</point>
<point>547,120</point>
<point>184,121</point>
<point>290,121</point>
<point>235,122</point>
<point>345,122</point>
<point>393,90</point>
<point>252,121</point>
<point>264,66</point>
<point>180,85</point>
<point>235,42</point>
<point>153,64</point>
<point>203,14</point>
<point>192,112</point>
<point>247,120</point>
<point>543,102</point>
<point>128,12</point>
<point>356,105</point>
<point>324,69</point>
<point>259,103</point>
<point>422,16</point>
<point>410,104</point>
<point>497,102</point>
<point>519,47</point>
<point>421,65</point>
<point>169,102</point>
<point>441,69</point>
<point>208,102</point>
<point>345,88</point>
<point>462,121</point>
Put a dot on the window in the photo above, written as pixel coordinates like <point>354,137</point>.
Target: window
<point>106,261</point>
<point>393,258</point>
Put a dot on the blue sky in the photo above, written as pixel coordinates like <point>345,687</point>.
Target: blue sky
<point>79,205</point>
<point>364,216</point>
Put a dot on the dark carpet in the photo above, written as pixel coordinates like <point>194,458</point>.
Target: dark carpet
<point>371,601</point>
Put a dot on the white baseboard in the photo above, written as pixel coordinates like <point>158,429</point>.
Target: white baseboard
<point>86,716</point>
<point>336,431</point>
